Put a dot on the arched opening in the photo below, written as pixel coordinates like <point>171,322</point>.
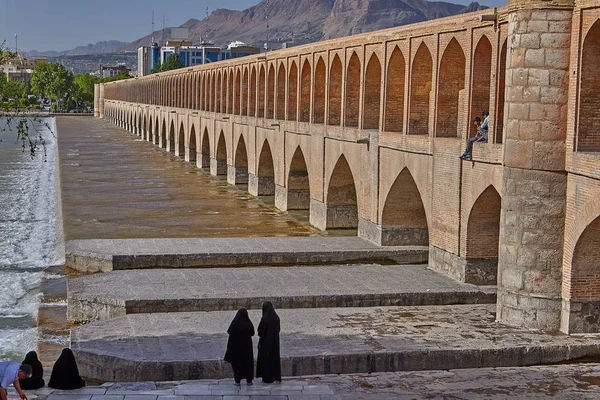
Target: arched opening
<point>451,90</point>
<point>305,86</point>
<point>244,98</point>
<point>319,101</point>
<point>280,93</point>
<point>241,162</point>
<point>230,93</point>
<point>156,132</point>
<point>420,92</point>
<point>298,197</point>
<point>171,141</point>
<point>162,143</point>
<point>266,172</point>
<point>252,99</point>
<point>192,147</point>
<point>144,133</point>
<point>292,102</point>
<point>394,100</point>
<point>181,142</point>
<point>218,91</point>
<point>584,292</point>
<point>221,156</point>
<point>483,232</point>
<point>270,100</point>
<point>149,131</point>
<point>482,74</point>
<point>352,91</point>
<point>213,92</point>
<point>404,221</point>
<point>205,162</point>
<point>499,129</point>
<point>342,206</point>
<point>238,95</point>
<point>372,101</point>
<point>261,93</point>
<point>588,138</point>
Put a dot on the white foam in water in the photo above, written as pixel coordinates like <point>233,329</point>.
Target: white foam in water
<point>30,237</point>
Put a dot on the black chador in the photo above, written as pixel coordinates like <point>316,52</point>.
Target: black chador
<point>65,374</point>
<point>268,364</point>
<point>239,347</point>
<point>36,380</point>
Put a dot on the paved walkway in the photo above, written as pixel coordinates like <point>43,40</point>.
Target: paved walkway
<point>559,382</point>
<point>114,254</point>
<point>112,294</point>
<point>173,346</point>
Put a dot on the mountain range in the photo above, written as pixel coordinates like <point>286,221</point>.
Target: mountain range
<point>106,47</point>
<point>305,21</point>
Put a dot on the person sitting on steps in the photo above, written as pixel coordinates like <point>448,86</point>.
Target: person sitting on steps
<point>481,136</point>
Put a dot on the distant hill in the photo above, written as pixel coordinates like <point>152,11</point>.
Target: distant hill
<point>306,21</point>
<point>107,47</point>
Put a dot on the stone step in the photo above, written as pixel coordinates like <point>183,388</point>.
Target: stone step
<point>106,255</point>
<point>181,346</point>
<point>117,293</point>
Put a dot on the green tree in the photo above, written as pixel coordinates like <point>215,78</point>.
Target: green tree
<point>120,76</point>
<point>84,87</point>
<point>52,80</point>
<point>172,62</point>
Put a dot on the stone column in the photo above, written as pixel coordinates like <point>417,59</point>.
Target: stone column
<point>100,102</point>
<point>534,182</point>
<point>96,100</point>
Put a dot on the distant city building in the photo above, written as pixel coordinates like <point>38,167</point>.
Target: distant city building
<point>110,71</point>
<point>19,69</point>
<point>148,58</point>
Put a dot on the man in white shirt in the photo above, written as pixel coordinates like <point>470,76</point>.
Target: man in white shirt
<point>10,372</point>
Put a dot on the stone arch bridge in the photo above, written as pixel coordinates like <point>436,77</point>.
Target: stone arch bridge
<point>366,131</point>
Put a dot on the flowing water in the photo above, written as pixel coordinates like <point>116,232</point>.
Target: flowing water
<point>30,234</point>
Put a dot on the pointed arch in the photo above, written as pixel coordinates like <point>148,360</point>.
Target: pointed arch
<point>404,220</point>
<point>270,100</point>
<point>260,112</point>
<point>150,131</point>
<point>372,102</point>
<point>588,136</point>
<point>292,103</point>
<point>237,98</point>
<point>500,98</point>
<point>481,78</point>
<point>218,91</point>
<point>280,93</point>
<point>335,92</point>
<point>163,136</point>
<point>205,162</point>
<point>221,156</point>
<point>298,186</point>
<point>240,162</point>
<point>305,88</point>
<point>181,142</point>
<point>192,146</point>
<point>394,100</point>
<point>451,91</point>
<point>420,92</point>
<point>171,141</point>
<point>252,99</point>
<point>342,204</point>
<point>266,171</point>
<point>244,98</point>
<point>319,101</point>
<point>230,93</point>
<point>352,91</point>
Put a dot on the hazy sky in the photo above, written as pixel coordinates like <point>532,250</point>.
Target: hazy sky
<point>64,24</point>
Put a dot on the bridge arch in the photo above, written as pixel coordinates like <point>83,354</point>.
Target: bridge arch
<point>144,128</point>
<point>171,141</point>
<point>229,109</point>
<point>483,233</point>
<point>270,99</point>
<point>342,203</point>
<point>260,112</point>
<point>335,92</point>
<point>162,142</point>
<point>265,185</point>
<point>588,137</point>
<point>292,103</point>
<point>192,146</point>
<point>451,89</point>
<point>371,108</point>
<point>221,156</point>
<point>240,162</point>
<point>237,97</point>
<point>205,160</point>
<point>420,92</point>
<point>481,77</point>
<point>394,99</point>
<point>305,89</point>
<point>218,92</point>
<point>244,100</point>
<point>181,142</point>
<point>298,184</point>
<point>404,219</point>
<point>280,114</point>
<point>252,100</point>
<point>353,81</point>
<point>319,89</point>
<point>149,131</point>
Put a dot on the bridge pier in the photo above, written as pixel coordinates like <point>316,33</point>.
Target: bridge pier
<point>261,185</point>
<point>218,167</point>
<point>237,175</point>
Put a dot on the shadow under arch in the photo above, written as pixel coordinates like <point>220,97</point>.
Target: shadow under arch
<point>192,146</point>
<point>181,142</point>
<point>341,203</point>
<point>205,160</point>
<point>298,186</point>
<point>171,141</point>
<point>404,220</point>
<point>220,167</point>
<point>240,163</point>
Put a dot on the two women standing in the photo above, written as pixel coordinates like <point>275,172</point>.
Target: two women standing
<point>239,346</point>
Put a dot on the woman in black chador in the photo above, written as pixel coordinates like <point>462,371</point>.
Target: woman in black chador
<point>36,380</point>
<point>268,364</point>
<point>239,347</point>
<point>65,374</point>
